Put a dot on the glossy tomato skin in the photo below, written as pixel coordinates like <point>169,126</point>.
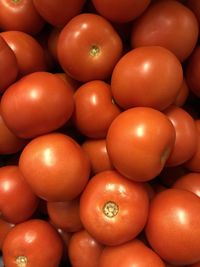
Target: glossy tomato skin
<point>132,253</point>
<point>8,65</point>
<point>113,209</point>
<point>121,11</point>
<point>100,50</point>
<point>135,80</point>
<point>169,24</point>
<point>183,94</point>
<point>29,53</point>
<point>59,12</point>
<point>172,227</point>
<point>34,242</point>
<point>147,135</point>
<point>55,166</point>
<point>90,100</point>
<point>98,155</point>
<point>84,250</point>
<point>42,102</point>
<point>20,15</point>
<point>186,133</point>
<point>73,84</point>
<point>17,201</point>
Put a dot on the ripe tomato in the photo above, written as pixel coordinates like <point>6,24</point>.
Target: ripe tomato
<point>73,84</point>
<point>29,53</point>
<point>135,78</point>
<point>122,10</point>
<point>5,228</point>
<point>32,243</point>
<point>139,141</point>
<point>17,15</point>
<point>133,253</point>
<point>113,209</point>
<point>17,201</point>
<point>100,49</point>
<point>194,5</point>
<point>172,227</point>
<point>90,100</point>
<point>84,250</point>
<point>55,166</point>
<point>42,102</point>
<point>183,93</point>
<point>169,24</point>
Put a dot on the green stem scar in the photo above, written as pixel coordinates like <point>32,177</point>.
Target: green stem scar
<point>21,261</point>
<point>110,209</point>
<point>16,1</point>
<point>94,51</point>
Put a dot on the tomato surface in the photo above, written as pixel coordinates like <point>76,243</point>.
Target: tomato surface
<point>5,228</point>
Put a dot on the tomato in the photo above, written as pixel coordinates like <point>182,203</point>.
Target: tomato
<point>122,11</point>
<point>84,250</point>
<point>98,155</point>
<point>133,253</point>
<point>58,12</point>
<point>192,71</point>
<point>194,5</point>
<point>73,84</point>
<point>5,228</point>
<point>17,201</point>
<point>42,102</point>
<point>65,215</point>
<point>100,49</point>
<point>113,209</point>
<point>9,142</point>
<point>20,15</point>
<point>190,182</point>
<point>186,134</point>
<point>135,78</point>
<point>139,141</point>
<point>169,24</point>
<point>94,109</point>
<point>55,166</point>
<point>29,53</point>
<point>183,94</point>
<point>32,243</point>
<point>172,227</point>
<point>8,65</point>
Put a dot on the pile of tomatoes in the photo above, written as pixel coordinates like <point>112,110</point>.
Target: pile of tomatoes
<point>100,133</point>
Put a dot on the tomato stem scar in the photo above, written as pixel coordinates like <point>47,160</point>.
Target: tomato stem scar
<point>94,50</point>
<point>110,209</point>
<point>21,261</point>
<point>16,1</point>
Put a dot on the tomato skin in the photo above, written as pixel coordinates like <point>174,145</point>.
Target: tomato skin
<point>84,250</point>
<point>60,12</point>
<point>113,209</point>
<point>194,5</point>
<point>5,228</point>
<point>182,94</point>
<point>172,227</point>
<point>135,82</point>
<point>20,15</point>
<point>28,239</point>
<point>90,99</point>
<point>132,253</point>
<point>122,11</point>
<point>55,166</point>
<point>147,135</point>
<point>42,102</point>
<point>29,53</point>
<point>100,50</point>
<point>17,201</point>
<point>169,24</point>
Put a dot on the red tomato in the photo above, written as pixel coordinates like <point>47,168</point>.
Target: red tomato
<point>98,155</point>
<point>139,141</point>
<point>186,134</point>
<point>169,24</point>
<point>65,215</point>
<point>84,250</point>
<point>133,253</point>
<point>122,10</point>
<point>17,201</point>
<point>172,227</point>
<point>94,109</point>
<point>113,209</point>
<point>8,65</point>
<point>135,78</point>
<point>182,96</point>
<point>194,5</point>
<point>58,12</point>
<point>42,102</point>
<point>29,53</point>
<point>32,243</point>
<point>17,15</point>
<point>73,84</point>
<point>5,228</point>
<point>55,166</point>
<point>87,53</point>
